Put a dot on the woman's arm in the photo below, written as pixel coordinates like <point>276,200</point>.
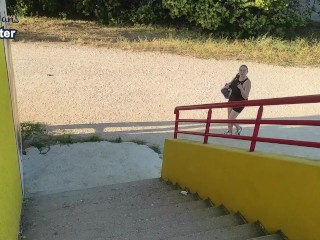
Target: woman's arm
<point>245,89</point>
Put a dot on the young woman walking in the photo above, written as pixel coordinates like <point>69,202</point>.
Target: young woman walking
<point>240,86</point>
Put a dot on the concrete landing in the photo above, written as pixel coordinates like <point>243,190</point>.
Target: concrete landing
<point>86,165</point>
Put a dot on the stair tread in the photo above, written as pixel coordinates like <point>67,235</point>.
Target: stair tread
<point>187,210</point>
<point>141,232</point>
<point>268,237</point>
<point>241,232</point>
<point>64,217</point>
<point>140,210</point>
<point>183,228</point>
<point>138,199</point>
<point>113,193</point>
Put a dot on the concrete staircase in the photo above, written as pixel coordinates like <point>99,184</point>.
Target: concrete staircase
<point>148,209</point>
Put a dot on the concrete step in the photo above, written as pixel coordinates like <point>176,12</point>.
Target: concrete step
<point>92,234</point>
<point>113,193</point>
<point>136,199</point>
<point>141,210</point>
<point>77,219</point>
<point>141,232</point>
<point>241,232</point>
<point>142,201</point>
<point>96,209</point>
<point>122,216</point>
<point>138,227</point>
<point>269,237</point>
<point>179,228</point>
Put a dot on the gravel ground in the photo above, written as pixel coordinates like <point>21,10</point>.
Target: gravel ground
<point>87,90</point>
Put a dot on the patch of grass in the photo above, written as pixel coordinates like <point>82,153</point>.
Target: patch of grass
<point>155,148</point>
<point>39,145</point>
<point>35,135</point>
<point>93,139</point>
<point>139,142</point>
<point>63,139</point>
<point>116,140</point>
<point>38,138</point>
<point>29,129</point>
<point>301,50</point>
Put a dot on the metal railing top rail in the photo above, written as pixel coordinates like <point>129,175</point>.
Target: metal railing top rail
<point>259,102</point>
<point>257,122</point>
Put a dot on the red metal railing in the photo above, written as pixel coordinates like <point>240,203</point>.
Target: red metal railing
<point>257,122</point>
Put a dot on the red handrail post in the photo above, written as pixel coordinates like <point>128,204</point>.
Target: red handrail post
<point>176,124</point>
<point>205,140</point>
<point>256,129</point>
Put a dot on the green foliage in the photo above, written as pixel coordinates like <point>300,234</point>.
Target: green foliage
<point>117,140</point>
<point>104,11</point>
<point>124,12</point>
<point>93,139</point>
<point>155,148</point>
<point>39,145</point>
<point>144,14</point>
<point>29,129</point>
<point>231,18</point>
<point>35,7</point>
<point>241,18</point>
<point>139,142</point>
<point>64,139</point>
<point>11,6</point>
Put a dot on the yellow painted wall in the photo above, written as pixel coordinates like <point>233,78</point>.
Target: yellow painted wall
<point>10,185</point>
<point>282,192</point>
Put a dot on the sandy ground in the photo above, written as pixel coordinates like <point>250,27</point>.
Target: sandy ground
<point>87,90</point>
<point>86,165</point>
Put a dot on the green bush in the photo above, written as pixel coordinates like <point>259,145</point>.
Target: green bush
<point>144,14</point>
<point>241,18</point>
<point>125,11</point>
<point>235,18</point>
<point>35,7</point>
<point>11,5</point>
<point>104,11</point>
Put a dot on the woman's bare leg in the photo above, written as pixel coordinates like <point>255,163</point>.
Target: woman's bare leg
<point>232,116</point>
<point>229,124</point>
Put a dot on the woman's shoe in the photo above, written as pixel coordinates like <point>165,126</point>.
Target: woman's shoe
<point>228,133</point>
<point>239,130</point>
